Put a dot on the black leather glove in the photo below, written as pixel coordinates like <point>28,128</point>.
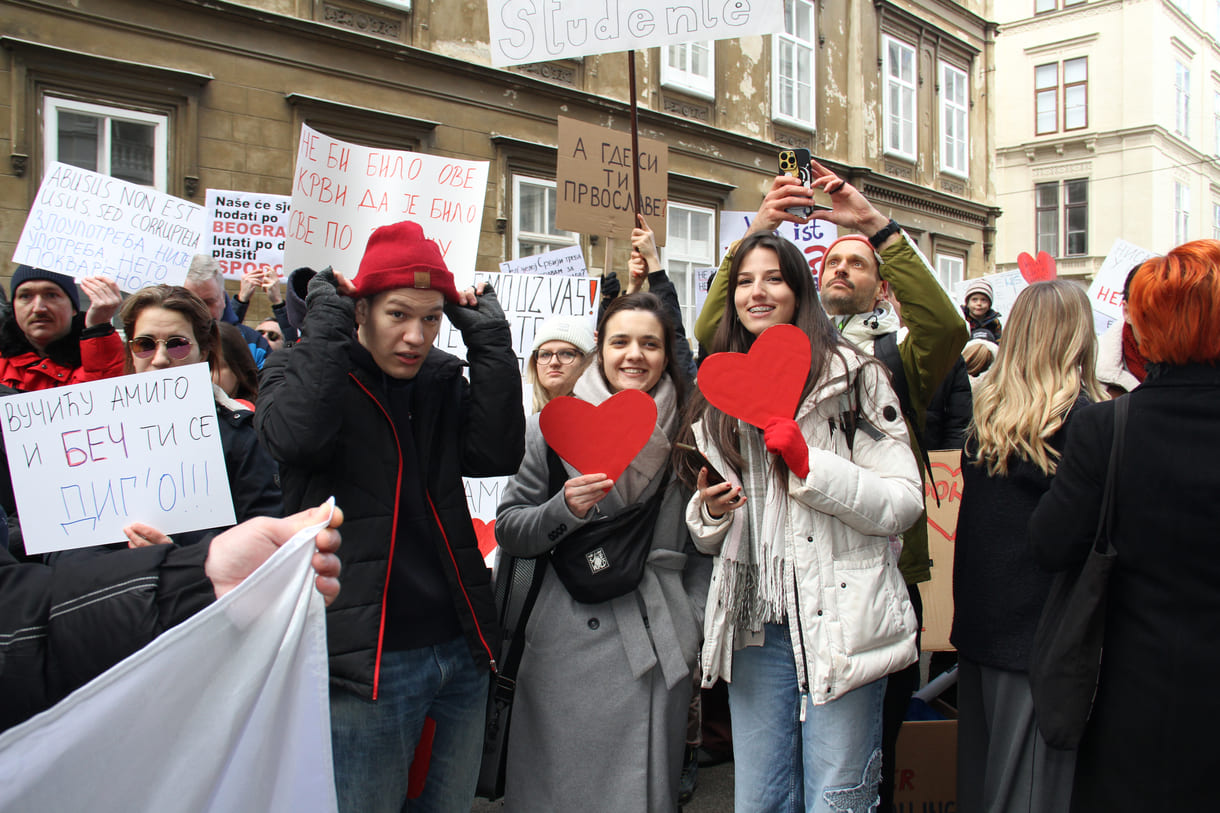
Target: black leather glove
<point>486,314</point>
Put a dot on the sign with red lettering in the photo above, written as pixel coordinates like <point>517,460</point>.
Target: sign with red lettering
<point>341,192</point>
<point>523,31</point>
<point>1106,292</point>
<point>85,224</point>
<point>594,181</point>
<point>812,238</point>
<point>937,594</point>
<point>88,459</point>
<point>246,231</point>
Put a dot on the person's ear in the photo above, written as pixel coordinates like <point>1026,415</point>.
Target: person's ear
<point>883,290</point>
<point>362,311</point>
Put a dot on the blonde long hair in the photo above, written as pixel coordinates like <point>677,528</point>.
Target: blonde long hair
<point>1047,357</point>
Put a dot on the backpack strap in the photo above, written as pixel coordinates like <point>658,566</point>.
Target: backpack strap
<point>885,348</point>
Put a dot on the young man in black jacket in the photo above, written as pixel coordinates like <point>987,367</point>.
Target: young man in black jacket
<point>365,408</point>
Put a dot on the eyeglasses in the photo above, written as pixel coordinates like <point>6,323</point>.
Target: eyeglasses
<point>565,357</point>
<point>144,347</point>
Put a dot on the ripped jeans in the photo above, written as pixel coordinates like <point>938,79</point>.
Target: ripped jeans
<point>831,763</point>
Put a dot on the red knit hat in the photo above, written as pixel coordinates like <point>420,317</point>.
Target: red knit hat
<point>846,237</point>
<point>399,256</point>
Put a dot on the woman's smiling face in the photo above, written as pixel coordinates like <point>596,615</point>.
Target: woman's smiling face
<point>633,351</point>
<point>762,297</point>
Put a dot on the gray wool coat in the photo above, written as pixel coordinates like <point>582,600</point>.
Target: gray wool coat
<point>599,715</point>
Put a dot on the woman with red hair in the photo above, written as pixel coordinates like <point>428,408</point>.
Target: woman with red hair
<point>1149,744</point>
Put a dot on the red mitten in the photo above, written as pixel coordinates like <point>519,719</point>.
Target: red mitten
<point>783,437</point>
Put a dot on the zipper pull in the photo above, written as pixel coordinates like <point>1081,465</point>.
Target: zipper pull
<point>804,700</point>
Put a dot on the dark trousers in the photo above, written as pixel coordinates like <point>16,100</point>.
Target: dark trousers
<point>897,697</point>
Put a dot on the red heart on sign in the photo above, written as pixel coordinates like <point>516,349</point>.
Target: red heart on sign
<point>946,484</point>
<point>485,532</point>
<point>762,384</point>
<point>603,438</point>
<point>1039,270</point>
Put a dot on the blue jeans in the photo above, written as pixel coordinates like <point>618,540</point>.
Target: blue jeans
<point>831,763</point>
<point>374,740</point>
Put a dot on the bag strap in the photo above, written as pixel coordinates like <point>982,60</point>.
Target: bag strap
<point>1109,501</point>
<point>525,580</point>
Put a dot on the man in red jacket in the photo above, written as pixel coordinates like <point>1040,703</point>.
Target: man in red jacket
<point>45,341</point>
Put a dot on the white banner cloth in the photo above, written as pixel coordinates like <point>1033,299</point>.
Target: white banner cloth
<point>227,712</point>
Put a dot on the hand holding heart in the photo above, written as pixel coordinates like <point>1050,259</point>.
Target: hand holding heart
<point>783,437</point>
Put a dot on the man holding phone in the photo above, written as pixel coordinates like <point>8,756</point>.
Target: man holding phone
<point>858,274</point>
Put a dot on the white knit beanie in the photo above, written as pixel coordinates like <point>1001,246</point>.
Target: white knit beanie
<point>575,330</point>
<point>979,286</point>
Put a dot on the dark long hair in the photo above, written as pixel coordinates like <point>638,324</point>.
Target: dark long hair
<point>180,300</point>
<point>235,354</point>
<point>732,336</point>
<point>645,301</point>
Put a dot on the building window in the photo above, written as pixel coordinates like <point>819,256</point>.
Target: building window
<point>1076,217</point>
<point>1075,90</point>
<point>534,229</point>
<point>899,98</point>
<point>1043,6</point>
<point>689,67</point>
<point>1216,221</point>
<point>1181,213</point>
<point>1216,122</point>
<point>951,269</point>
<point>127,144</point>
<point>954,112</point>
<point>1181,91</point>
<point>1046,213</point>
<point>792,65</point>
<point>689,245</point>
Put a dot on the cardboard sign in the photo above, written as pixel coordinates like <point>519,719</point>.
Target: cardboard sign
<point>1005,286</point>
<point>762,384</point>
<point>811,238</point>
<point>88,459</point>
<point>621,426</point>
<point>1106,291</point>
<point>562,262</point>
<point>594,181</point>
<point>84,224</point>
<point>937,594</point>
<point>925,767</point>
<point>523,31</point>
<point>246,231</point>
<point>341,192</point>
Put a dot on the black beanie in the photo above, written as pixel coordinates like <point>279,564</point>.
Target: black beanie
<point>28,273</point>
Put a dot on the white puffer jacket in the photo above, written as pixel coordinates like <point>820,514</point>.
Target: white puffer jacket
<point>849,613</point>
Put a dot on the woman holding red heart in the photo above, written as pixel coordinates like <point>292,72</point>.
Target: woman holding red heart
<point>599,712</point>
<point>808,611</point>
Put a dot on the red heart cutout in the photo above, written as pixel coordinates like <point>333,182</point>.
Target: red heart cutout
<point>485,532</point>
<point>602,438</point>
<point>762,384</point>
<point>1039,270</point>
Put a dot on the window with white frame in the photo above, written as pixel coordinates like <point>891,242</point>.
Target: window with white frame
<point>1216,122</point>
<point>1216,221</point>
<point>1044,6</point>
<point>534,232</point>
<point>1181,91</point>
<point>128,144</point>
<point>689,67</point>
<point>792,66</point>
<point>1181,212</point>
<point>954,113</point>
<point>690,244</point>
<point>950,269</point>
<point>899,100</point>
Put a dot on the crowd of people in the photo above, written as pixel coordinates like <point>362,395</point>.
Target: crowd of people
<point>784,561</point>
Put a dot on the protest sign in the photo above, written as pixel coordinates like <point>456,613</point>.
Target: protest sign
<point>1005,286</point>
<point>341,192</point>
<point>88,459</point>
<point>228,711</point>
<point>812,238</point>
<point>1106,292</point>
<point>937,594</point>
<point>245,231</point>
<point>564,262</point>
<point>703,278</point>
<point>83,224</point>
<point>528,301</point>
<point>523,31</point>
<point>594,181</point>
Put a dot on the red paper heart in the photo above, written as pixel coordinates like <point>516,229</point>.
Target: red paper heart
<point>762,384</point>
<point>485,532</point>
<point>1039,270</point>
<point>603,438</point>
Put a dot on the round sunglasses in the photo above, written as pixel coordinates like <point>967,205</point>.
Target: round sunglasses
<point>177,347</point>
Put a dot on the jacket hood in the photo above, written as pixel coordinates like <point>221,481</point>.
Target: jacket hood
<point>862,329</point>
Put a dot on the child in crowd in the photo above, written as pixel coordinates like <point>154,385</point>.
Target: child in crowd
<point>977,309</point>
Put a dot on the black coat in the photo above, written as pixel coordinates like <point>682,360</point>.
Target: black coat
<point>1151,742</point>
<point>52,641</point>
<point>325,421</point>
<point>950,411</point>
